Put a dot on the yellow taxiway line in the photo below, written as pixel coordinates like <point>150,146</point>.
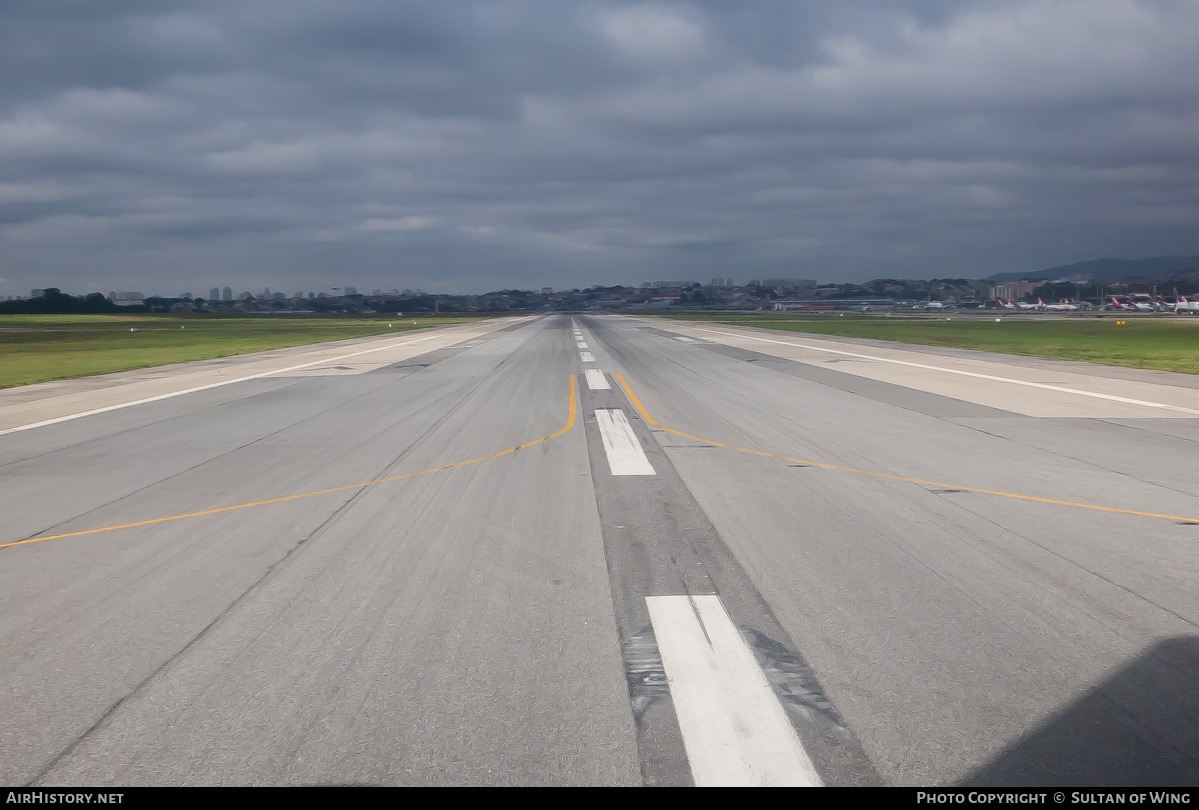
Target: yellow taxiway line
<point>875,474</point>
<point>570,422</point>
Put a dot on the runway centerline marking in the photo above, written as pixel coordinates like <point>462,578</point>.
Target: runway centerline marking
<point>206,387</point>
<point>582,345</point>
<point>587,357</point>
<point>975,374</point>
<point>734,729</point>
<point>889,476</point>
<point>625,454</point>
<point>596,380</point>
<point>570,422</point>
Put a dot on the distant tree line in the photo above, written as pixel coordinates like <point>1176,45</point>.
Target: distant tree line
<point>54,301</point>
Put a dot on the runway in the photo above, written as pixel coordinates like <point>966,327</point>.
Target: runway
<point>601,550</point>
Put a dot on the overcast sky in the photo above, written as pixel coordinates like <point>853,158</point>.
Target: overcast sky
<point>465,146</point>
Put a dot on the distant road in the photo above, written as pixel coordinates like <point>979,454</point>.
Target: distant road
<point>602,550</point>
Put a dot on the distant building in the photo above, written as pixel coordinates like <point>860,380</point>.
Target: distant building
<point>1016,289</point>
<point>655,303</point>
<point>128,299</point>
<point>246,296</point>
<point>350,290</point>
<point>214,294</point>
<point>983,290</point>
<point>790,283</point>
<point>311,294</point>
<point>226,294</point>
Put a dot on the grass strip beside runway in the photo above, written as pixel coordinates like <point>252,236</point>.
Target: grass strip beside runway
<point>1167,343</point>
<point>38,348</point>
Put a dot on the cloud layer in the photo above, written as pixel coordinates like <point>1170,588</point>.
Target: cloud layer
<point>467,146</point>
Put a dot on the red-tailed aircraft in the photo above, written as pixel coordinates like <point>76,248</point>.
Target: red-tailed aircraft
<point>1183,305</point>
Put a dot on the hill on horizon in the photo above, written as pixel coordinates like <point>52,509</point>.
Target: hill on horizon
<point>1110,268</point>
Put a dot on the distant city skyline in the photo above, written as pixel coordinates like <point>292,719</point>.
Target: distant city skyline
<point>793,295</point>
<point>1156,268</point>
<point>472,145</point>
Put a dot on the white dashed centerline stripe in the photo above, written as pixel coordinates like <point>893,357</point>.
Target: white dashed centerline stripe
<point>582,345</point>
<point>587,357</point>
<point>625,456</point>
<point>596,380</point>
<point>734,729</point>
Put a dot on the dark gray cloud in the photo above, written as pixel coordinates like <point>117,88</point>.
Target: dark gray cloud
<point>469,145</point>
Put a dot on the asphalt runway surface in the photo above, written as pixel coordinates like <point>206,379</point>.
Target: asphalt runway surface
<point>602,550</point>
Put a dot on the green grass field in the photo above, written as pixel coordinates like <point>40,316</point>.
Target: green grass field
<point>1169,343</point>
<point>36,348</point>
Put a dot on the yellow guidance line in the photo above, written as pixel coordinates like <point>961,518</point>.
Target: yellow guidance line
<point>645,415</point>
<point>570,423</point>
